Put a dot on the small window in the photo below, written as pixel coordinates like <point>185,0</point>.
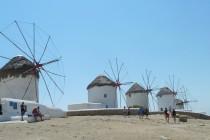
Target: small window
<point>13,105</point>
<point>10,103</point>
<point>105,95</point>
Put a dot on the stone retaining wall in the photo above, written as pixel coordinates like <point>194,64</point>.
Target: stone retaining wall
<point>107,112</point>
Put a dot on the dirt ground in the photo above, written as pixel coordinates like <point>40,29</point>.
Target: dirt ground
<point>107,128</point>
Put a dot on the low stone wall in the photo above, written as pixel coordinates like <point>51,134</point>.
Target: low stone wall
<point>96,112</point>
<point>107,112</point>
<point>195,115</point>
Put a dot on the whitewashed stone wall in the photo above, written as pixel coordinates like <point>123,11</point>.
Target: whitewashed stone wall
<point>106,95</point>
<point>166,101</point>
<point>15,88</point>
<point>140,99</point>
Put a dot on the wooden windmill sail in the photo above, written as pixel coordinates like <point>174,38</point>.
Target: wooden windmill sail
<point>33,45</point>
<point>148,84</point>
<point>117,75</point>
<point>185,101</point>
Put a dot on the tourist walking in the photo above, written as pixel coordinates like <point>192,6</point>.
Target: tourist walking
<point>174,115</point>
<point>141,113</point>
<point>146,113</point>
<point>124,111</point>
<point>129,112</point>
<point>166,114</point>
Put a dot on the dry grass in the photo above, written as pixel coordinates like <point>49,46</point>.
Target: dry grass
<point>107,128</point>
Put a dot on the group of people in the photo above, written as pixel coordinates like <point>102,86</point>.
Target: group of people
<point>143,112</point>
<point>35,112</point>
<point>168,113</point>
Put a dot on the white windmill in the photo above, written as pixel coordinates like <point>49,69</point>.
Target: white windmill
<point>37,65</point>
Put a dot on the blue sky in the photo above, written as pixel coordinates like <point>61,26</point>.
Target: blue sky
<point>167,37</point>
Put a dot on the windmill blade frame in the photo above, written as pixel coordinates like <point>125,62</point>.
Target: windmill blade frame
<point>148,83</point>
<point>117,71</point>
<point>31,53</point>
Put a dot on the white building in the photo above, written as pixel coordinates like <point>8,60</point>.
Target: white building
<point>16,82</point>
<point>10,110</point>
<point>137,96</point>
<point>85,106</point>
<point>103,90</point>
<point>166,99</point>
<point>102,93</point>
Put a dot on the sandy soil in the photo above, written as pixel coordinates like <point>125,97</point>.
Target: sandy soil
<point>106,128</point>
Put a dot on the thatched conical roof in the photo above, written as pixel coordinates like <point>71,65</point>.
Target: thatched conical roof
<point>101,81</point>
<point>136,88</point>
<point>18,62</point>
<point>165,91</point>
<point>16,67</point>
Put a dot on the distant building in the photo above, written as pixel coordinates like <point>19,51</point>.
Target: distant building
<point>18,80</point>
<point>102,93</point>
<point>137,96</point>
<point>166,98</point>
<point>84,106</point>
<point>103,90</point>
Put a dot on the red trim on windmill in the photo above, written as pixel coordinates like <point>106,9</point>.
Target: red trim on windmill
<point>30,53</point>
<point>116,77</point>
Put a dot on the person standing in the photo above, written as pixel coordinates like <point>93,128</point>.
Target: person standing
<point>23,110</point>
<point>141,113</point>
<point>174,115</point>
<point>124,111</point>
<point>166,114</point>
<point>146,113</point>
<point>129,112</point>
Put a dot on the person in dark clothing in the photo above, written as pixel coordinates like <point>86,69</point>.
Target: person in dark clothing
<point>23,110</point>
<point>174,115</point>
<point>124,111</point>
<point>146,113</point>
<point>129,111</point>
<point>166,114</point>
<point>141,113</point>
